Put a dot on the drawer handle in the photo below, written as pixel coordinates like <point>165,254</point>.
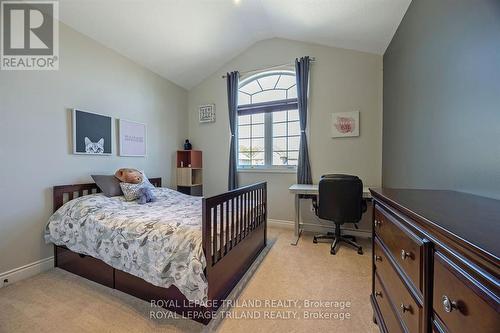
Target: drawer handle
<point>378,258</point>
<point>378,294</point>
<point>405,308</point>
<point>448,304</point>
<point>405,255</point>
<point>377,223</point>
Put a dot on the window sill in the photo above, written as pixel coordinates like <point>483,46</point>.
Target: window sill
<point>267,170</point>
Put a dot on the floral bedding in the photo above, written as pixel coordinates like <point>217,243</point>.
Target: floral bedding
<point>160,242</point>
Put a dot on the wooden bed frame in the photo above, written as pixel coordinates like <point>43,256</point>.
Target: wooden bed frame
<point>232,239</point>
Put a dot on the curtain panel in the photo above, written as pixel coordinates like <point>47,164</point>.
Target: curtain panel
<point>302,66</point>
<point>232,103</point>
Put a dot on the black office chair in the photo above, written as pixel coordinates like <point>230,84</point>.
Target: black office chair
<point>340,200</point>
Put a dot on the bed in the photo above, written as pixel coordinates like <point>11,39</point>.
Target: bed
<point>233,232</point>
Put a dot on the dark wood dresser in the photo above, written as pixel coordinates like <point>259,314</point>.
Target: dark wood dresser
<point>436,265</point>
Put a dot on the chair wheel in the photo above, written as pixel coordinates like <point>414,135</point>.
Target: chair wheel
<point>360,251</point>
<point>332,252</point>
<point>315,241</point>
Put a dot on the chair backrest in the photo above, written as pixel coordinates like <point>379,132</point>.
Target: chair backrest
<point>340,198</point>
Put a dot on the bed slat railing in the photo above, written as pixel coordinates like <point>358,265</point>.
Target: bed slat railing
<point>230,217</point>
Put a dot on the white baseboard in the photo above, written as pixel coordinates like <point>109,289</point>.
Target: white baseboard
<point>26,271</point>
<point>280,223</point>
<point>316,227</point>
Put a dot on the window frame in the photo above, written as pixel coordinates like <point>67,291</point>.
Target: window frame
<point>267,108</point>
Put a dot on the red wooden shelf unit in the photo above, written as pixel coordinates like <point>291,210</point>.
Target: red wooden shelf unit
<point>190,172</point>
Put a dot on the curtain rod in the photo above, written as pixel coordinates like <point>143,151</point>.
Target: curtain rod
<point>313,59</point>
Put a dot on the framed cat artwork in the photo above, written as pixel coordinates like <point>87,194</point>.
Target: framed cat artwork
<point>92,133</point>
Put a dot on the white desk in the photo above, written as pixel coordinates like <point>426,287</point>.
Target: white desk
<point>299,189</point>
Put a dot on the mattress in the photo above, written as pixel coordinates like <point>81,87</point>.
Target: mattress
<point>160,242</point>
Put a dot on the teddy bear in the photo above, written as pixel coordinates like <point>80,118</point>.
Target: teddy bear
<point>145,195</point>
<point>127,175</point>
<point>144,192</point>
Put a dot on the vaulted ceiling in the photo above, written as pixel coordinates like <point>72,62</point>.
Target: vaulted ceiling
<point>187,40</point>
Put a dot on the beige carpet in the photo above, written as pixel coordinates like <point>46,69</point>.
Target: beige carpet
<point>57,301</point>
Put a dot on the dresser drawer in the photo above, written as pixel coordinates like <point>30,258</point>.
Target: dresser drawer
<point>405,247</point>
<point>457,305</point>
<point>390,319</point>
<point>409,311</point>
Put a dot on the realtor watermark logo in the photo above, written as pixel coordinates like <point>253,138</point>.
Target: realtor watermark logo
<point>29,35</point>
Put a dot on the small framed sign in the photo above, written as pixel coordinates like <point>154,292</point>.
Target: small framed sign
<point>132,138</point>
<point>207,113</point>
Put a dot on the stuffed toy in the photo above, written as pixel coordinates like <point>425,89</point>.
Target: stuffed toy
<point>132,176</point>
<point>145,195</point>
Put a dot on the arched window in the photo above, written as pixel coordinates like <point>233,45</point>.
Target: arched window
<point>268,121</point>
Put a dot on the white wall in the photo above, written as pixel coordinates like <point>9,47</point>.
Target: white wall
<point>341,80</point>
<point>35,129</point>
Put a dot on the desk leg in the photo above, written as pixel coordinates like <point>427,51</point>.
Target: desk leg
<point>297,230</point>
